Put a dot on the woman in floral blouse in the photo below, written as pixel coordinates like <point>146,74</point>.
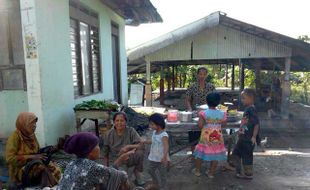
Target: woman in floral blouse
<point>84,172</point>
<point>197,93</point>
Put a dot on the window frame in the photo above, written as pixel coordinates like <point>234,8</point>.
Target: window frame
<point>16,60</point>
<point>79,13</point>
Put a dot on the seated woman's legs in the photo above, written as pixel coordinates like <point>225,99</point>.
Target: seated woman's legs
<point>136,160</point>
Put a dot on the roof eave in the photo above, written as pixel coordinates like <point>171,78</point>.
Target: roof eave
<point>135,12</point>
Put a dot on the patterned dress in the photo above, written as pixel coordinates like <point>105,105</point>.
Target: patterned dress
<point>211,144</point>
<point>83,173</point>
<point>198,96</point>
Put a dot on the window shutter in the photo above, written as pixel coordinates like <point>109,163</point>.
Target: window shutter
<point>75,56</point>
<point>95,55</point>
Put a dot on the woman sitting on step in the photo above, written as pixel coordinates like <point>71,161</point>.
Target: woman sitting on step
<point>28,167</point>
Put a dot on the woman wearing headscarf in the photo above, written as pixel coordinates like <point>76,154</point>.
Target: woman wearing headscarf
<point>84,172</point>
<point>22,148</point>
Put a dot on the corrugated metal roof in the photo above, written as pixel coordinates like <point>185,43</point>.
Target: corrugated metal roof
<point>252,41</point>
<point>135,12</point>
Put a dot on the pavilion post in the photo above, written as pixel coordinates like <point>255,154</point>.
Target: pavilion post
<point>286,89</point>
<point>168,77</point>
<point>241,81</point>
<point>241,75</point>
<point>257,77</point>
<point>233,77</point>
<point>162,86</point>
<point>148,86</point>
<point>173,77</point>
<point>226,75</point>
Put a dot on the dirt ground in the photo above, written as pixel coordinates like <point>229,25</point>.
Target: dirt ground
<point>285,164</point>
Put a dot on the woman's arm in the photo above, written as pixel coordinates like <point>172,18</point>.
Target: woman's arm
<point>224,121</point>
<point>188,98</point>
<point>119,161</point>
<point>201,121</point>
<point>166,150</point>
<point>133,146</point>
<point>12,148</point>
<point>129,148</point>
<point>145,141</point>
<point>188,102</point>
<point>255,132</point>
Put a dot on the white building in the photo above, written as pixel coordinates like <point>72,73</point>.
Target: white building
<point>57,53</point>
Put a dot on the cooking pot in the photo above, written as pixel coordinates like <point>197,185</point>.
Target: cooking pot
<point>186,116</point>
<point>172,115</point>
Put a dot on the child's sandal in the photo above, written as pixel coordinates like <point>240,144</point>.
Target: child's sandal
<point>196,173</point>
<point>209,175</point>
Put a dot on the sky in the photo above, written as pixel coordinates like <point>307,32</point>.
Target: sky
<point>291,18</point>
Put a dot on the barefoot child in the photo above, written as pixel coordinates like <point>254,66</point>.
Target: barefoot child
<point>159,155</point>
<point>248,136</point>
<point>211,144</point>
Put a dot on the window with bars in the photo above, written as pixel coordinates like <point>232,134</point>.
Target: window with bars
<point>85,50</point>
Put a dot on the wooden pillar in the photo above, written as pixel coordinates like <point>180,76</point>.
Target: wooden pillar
<point>173,77</point>
<point>257,78</point>
<point>241,81</point>
<point>168,77</point>
<point>148,86</point>
<point>233,77</point>
<point>162,87</point>
<point>176,76</point>
<point>241,75</point>
<point>286,89</point>
<point>226,75</point>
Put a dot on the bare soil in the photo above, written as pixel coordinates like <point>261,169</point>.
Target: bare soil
<point>285,164</point>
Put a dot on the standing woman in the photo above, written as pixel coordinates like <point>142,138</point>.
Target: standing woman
<point>22,149</point>
<point>197,93</point>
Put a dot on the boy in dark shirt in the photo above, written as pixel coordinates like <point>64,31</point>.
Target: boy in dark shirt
<point>248,136</point>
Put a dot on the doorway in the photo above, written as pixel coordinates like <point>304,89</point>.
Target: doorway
<point>116,63</point>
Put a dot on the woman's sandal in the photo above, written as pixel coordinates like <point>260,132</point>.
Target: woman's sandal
<point>241,176</point>
<point>228,168</point>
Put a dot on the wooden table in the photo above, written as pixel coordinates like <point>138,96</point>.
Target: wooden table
<point>185,127</point>
<point>93,115</point>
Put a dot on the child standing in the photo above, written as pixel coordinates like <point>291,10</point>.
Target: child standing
<point>248,136</point>
<point>159,153</point>
<point>211,144</point>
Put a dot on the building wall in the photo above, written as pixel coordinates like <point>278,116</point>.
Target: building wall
<point>13,98</point>
<point>11,104</point>
<point>221,42</point>
<point>106,16</point>
<point>53,77</point>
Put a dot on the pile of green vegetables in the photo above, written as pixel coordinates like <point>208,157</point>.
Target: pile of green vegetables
<point>97,105</point>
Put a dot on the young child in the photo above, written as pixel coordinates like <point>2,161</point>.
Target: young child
<point>159,155</point>
<point>211,144</point>
<point>248,136</point>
